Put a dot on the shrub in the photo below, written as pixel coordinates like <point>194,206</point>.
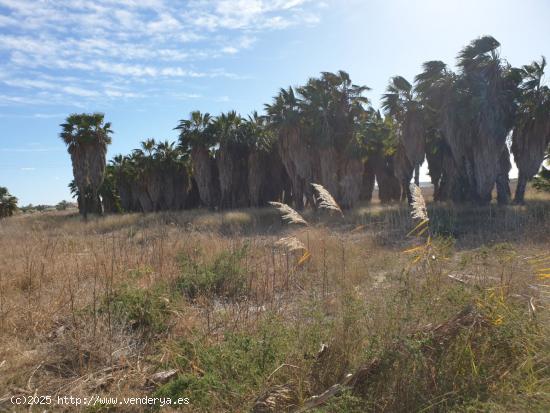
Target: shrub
<point>62,206</point>
<point>222,277</point>
<point>542,181</point>
<point>142,310</point>
<point>231,370</point>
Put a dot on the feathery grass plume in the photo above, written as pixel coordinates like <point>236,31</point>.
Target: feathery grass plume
<point>419,211</point>
<point>418,204</point>
<point>291,244</point>
<point>325,200</point>
<point>290,216</point>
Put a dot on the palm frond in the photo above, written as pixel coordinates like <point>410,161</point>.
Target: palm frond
<point>400,84</point>
<point>477,47</point>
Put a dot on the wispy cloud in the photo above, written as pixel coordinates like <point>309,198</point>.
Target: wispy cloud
<point>49,115</point>
<point>107,49</point>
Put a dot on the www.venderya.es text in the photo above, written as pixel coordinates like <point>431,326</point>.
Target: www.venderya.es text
<point>98,400</point>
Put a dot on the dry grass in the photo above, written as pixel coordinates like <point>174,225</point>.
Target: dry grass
<point>99,307</point>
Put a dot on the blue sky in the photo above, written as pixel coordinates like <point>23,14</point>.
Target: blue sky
<point>148,63</point>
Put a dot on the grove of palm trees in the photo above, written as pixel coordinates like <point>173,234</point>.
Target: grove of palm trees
<point>463,122</point>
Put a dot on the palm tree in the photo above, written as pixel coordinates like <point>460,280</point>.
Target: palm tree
<point>150,172</point>
<point>231,132</point>
<point>122,170</point>
<point>402,106</point>
<point>284,116</point>
<point>154,177</point>
<point>172,165</point>
<point>434,88</point>
<point>108,191</point>
<point>379,144</point>
<point>330,107</point>
<point>198,140</point>
<point>75,193</point>
<point>316,135</point>
<point>87,138</point>
<point>145,179</point>
<point>487,88</point>
<point>267,178</point>
<point>8,203</point>
<point>468,117</point>
<point>531,135</point>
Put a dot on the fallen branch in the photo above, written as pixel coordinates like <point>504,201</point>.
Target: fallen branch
<point>279,397</point>
<point>322,398</point>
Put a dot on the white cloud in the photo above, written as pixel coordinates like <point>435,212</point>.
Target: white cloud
<point>49,115</point>
<point>230,50</point>
<point>164,23</point>
<point>84,49</point>
<point>114,93</point>
<point>29,83</point>
<point>77,91</point>
<point>7,21</point>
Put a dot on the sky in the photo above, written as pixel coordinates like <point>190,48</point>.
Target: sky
<point>148,63</point>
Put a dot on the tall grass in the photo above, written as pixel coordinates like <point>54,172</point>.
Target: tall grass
<point>99,307</point>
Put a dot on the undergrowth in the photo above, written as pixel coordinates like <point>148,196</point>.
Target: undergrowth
<point>223,277</point>
<point>230,317</point>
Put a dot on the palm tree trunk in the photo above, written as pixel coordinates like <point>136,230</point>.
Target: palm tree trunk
<point>85,202</point>
<point>369,179</point>
<point>124,192</point>
<point>503,181</point>
<point>225,166</point>
<point>435,157</point>
<point>519,197</point>
<point>181,189</point>
<point>351,182</point>
<point>403,171</point>
<point>529,144</point>
<point>207,183</point>
<point>256,170</point>
<point>389,187</point>
<point>328,165</point>
<point>298,160</point>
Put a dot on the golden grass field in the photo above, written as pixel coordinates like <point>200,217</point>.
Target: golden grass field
<point>236,321</point>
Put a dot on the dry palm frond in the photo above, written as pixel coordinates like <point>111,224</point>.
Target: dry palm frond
<point>418,204</point>
<point>291,244</point>
<point>289,215</point>
<point>325,200</point>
